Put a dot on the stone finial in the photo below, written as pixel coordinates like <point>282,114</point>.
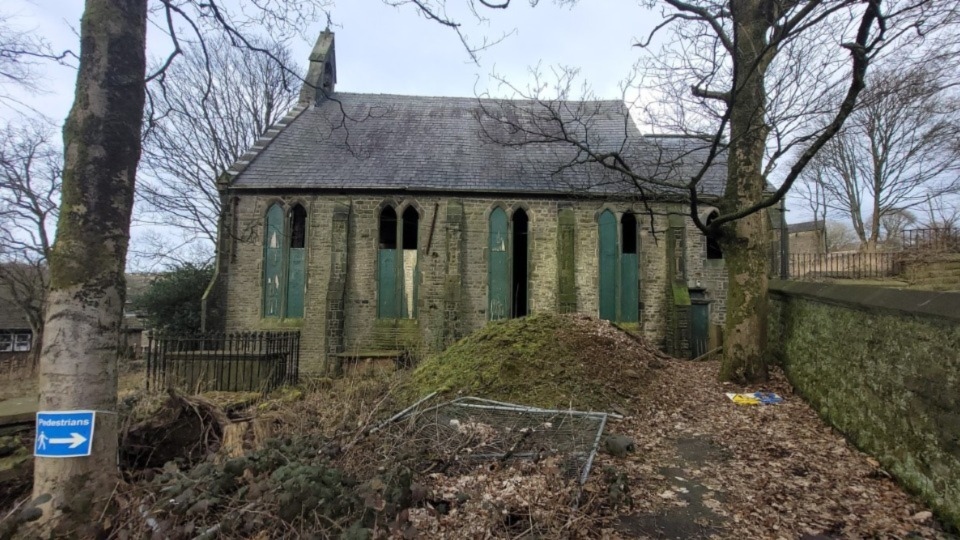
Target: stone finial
<point>322,74</point>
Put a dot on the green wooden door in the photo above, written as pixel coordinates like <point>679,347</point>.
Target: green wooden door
<point>388,302</point>
<point>629,293</point>
<point>498,270</point>
<point>608,266</point>
<point>273,262</point>
<point>699,328</point>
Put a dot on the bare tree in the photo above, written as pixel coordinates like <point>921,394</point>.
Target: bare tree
<point>757,82</point>
<point>101,138</point>
<point>194,131</point>
<point>22,55</point>
<point>30,176</point>
<point>942,213</point>
<point>897,151</point>
<point>840,236</point>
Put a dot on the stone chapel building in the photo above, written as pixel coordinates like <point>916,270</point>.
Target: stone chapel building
<point>374,223</point>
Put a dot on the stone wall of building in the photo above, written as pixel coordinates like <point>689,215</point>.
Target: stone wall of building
<point>340,313</point>
<point>807,242</point>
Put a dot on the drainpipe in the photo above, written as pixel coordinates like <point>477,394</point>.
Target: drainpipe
<point>784,237</point>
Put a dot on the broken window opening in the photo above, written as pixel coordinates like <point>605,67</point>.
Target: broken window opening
<point>298,227</point>
<point>520,281</point>
<point>714,250</point>
<point>410,230</point>
<point>628,228</point>
<point>411,224</point>
<point>388,228</point>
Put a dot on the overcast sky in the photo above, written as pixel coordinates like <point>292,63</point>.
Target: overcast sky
<point>383,49</point>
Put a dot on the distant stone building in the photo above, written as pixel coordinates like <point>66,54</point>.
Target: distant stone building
<point>374,223</point>
<point>807,237</point>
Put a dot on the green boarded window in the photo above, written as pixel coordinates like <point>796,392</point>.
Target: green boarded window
<point>296,259</point>
<point>629,269</point>
<point>273,249</point>
<point>388,301</point>
<point>398,264</point>
<point>608,266</point>
<point>284,262</point>
<point>498,270</point>
<point>619,268</point>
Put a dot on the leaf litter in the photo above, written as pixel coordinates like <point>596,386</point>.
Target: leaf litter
<point>702,467</point>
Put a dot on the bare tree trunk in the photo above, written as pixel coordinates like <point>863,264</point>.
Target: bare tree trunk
<point>745,242</point>
<point>78,363</point>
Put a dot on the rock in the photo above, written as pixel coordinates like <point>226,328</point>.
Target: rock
<point>9,445</point>
<point>922,516</point>
<point>618,445</point>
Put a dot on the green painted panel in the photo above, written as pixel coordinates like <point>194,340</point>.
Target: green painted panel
<point>388,305</point>
<point>498,270</point>
<point>295,282</point>
<point>273,245</point>
<point>608,266</point>
<point>699,328</point>
<point>629,290</point>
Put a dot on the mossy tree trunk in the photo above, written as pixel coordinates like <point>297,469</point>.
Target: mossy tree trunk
<point>745,240</point>
<point>78,362</point>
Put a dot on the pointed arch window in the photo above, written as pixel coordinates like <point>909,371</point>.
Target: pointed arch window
<point>619,286</point>
<point>508,264</point>
<point>629,269</point>
<point>284,262</point>
<point>398,263</point>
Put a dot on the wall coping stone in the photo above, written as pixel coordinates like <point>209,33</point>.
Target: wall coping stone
<point>942,305</point>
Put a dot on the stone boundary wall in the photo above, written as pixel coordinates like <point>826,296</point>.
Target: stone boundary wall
<point>883,367</point>
<point>937,270</point>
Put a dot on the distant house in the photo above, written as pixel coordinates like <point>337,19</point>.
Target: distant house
<point>133,326</point>
<point>374,222</point>
<point>16,337</point>
<point>807,237</point>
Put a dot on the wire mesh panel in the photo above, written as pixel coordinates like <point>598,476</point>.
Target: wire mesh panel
<point>460,433</point>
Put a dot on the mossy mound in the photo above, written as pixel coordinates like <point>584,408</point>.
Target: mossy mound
<point>544,360</point>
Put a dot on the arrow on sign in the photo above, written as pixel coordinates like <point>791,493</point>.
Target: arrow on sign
<point>74,440</point>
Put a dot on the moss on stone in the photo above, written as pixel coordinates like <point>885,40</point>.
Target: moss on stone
<point>889,381</point>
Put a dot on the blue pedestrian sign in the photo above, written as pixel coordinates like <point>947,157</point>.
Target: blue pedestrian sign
<point>64,433</point>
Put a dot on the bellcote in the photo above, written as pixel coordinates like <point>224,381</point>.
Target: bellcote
<point>322,73</point>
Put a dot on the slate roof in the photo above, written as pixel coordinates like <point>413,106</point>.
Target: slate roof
<point>11,316</point>
<point>389,142</point>
<point>805,226</point>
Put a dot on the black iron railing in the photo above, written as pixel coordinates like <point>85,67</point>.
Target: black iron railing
<point>942,239</point>
<point>847,265</point>
<point>234,362</point>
